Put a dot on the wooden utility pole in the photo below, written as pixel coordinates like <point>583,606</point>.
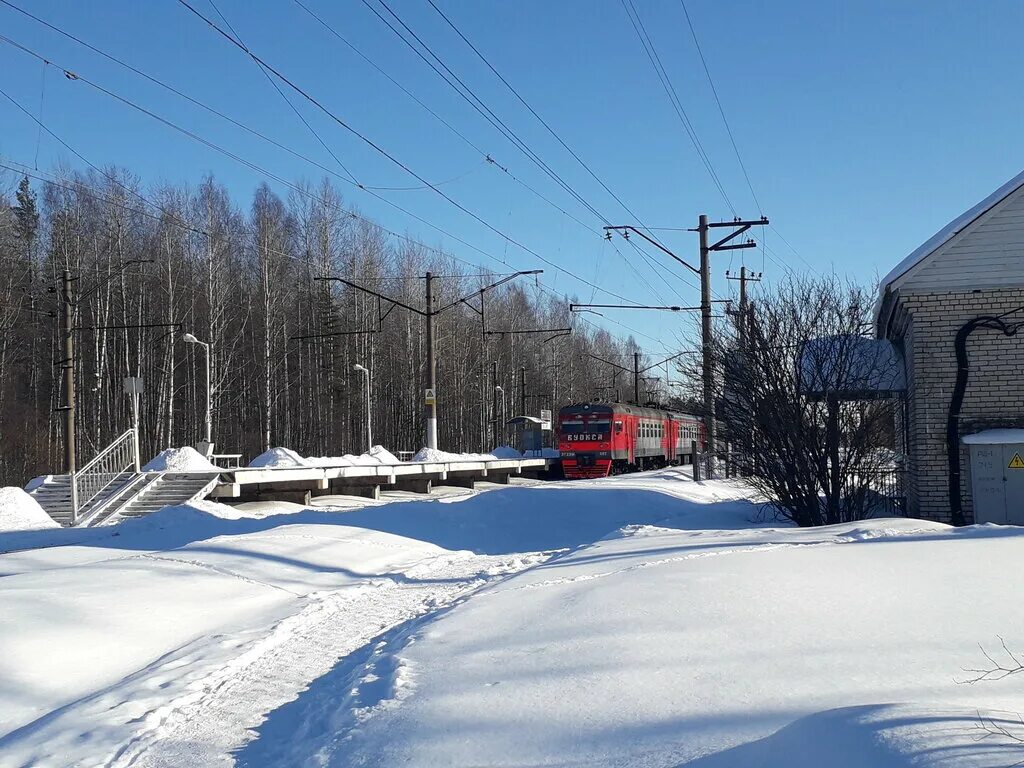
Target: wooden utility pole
<point>522,390</point>
<point>707,340</point>
<point>636,378</point>
<point>494,403</point>
<point>430,391</point>
<point>68,366</point>
<point>744,311</point>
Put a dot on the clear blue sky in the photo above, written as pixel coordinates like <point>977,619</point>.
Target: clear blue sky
<point>864,126</point>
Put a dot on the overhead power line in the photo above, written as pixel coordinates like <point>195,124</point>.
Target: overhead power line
<point>366,188</point>
<point>468,95</point>
<point>532,111</point>
<point>721,110</point>
<point>666,83</point>
<point>77,77</point>
<point>376,147</point>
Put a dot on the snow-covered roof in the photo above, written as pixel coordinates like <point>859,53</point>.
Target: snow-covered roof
<point>995,437</point>
<point>850,367</point>
<point>927,248</point>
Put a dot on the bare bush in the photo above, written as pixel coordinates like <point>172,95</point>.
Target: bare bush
<point>801,401</point>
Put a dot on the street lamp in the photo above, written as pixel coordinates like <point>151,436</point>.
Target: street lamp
<point>188,338</point>
<point>369,431</point>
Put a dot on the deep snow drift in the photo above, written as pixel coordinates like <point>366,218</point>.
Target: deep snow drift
<point>642,620</point>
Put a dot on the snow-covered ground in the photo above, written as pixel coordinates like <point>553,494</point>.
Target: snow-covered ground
<point>644,621</point>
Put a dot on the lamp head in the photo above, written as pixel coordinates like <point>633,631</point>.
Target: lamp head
<point>188,338</point>
<point>358,367</point>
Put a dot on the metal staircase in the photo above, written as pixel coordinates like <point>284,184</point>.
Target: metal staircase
<point>111,486</point>
<point>129,495</point>
<point>54,496</point>
<point>166,489</point>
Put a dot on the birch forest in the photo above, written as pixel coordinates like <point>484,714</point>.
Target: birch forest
<point>150,265</point>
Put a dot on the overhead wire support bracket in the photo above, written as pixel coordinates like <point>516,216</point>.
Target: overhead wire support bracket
<point>559,331</point>
<point>625,228</point>
<point>673,308</point>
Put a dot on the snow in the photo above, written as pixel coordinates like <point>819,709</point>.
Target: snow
<point>950,230</point>
<point>995,437</point>
<point>378,454</point>
<point>637,620</point>
<point>434,456</point>
<point>185,459</point>
<point>278,457</point>
<point>505,452</point>
<point>20,512</point>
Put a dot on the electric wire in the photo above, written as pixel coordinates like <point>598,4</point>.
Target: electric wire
<point>273,142</point>
<point>73,76</point>
<point>379,149</point>
<point>721,110</point>
<point>673,96</point>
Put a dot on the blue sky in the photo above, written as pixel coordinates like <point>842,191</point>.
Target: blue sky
<point>864,126</point>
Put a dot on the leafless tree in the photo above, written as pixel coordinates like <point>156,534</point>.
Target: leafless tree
<point>241,277</point>
<point>804,400</point>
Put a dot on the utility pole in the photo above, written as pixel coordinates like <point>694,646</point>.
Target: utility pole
<point>430,394</point>
<point>430,399</point>
<point>67,316</point>
<point>707,340</point>
<point>742,318</point>
<point>494,402</point>
<point>636,378</point>
<point>522,390</point>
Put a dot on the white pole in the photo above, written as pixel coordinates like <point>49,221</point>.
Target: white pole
<point>135,423</point>
<point>369,429</point>
<point>209,398</point>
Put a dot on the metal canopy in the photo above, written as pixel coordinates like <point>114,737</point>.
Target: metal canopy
<point>851,368</point>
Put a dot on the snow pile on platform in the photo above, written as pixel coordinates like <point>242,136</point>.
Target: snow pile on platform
<point>375,456</point>
<point>277,458</point>
<point>20,512</point>
<point>434,456</point>
<point>185,459</point>
<point>382,455</point>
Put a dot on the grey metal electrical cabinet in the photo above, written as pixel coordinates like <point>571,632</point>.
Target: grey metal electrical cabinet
<point>997,480</point>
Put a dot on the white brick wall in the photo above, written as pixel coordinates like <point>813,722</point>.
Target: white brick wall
<point>995,389</point>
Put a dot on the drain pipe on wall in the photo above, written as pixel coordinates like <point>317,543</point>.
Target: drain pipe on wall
<point>963,371</point>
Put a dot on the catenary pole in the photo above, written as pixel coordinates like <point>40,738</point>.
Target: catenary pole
<point>706,340</point>
<point>636,378</point>
<point>68,365</point>
<point>431,402</point>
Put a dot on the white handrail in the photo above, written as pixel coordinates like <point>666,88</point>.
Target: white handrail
<point>93,478</point>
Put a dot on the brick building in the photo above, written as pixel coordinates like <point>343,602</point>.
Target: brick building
<point>967,281</point>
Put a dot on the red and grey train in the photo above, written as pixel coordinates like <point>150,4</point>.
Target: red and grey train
<point>599,439</point>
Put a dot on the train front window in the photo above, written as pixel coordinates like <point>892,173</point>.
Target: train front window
<point>586,429</point>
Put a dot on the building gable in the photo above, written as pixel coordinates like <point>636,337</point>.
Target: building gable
<point>982,248</point>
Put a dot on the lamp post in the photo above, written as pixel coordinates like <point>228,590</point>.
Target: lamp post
<point>369,430</point>
<point>188,338</point>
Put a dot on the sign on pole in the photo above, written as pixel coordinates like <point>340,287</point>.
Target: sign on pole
<point>430,397</point>
<point>545,419</point>
<point>133,385</point>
